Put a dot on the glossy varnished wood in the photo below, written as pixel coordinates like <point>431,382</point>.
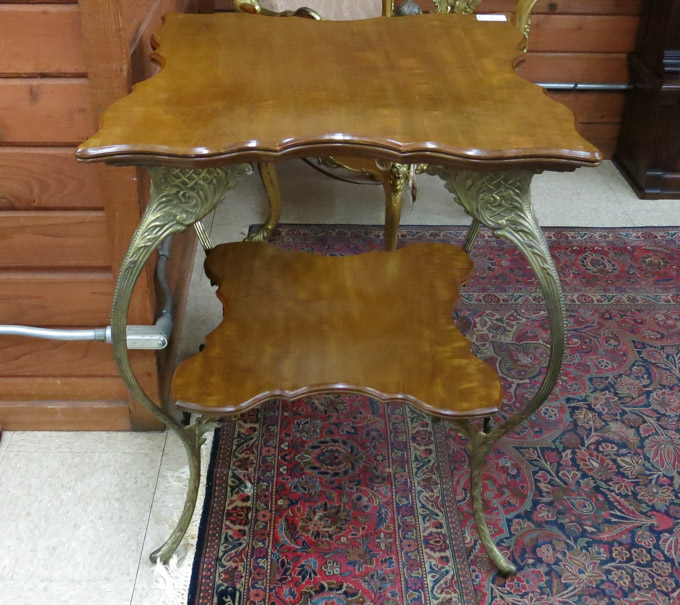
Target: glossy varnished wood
<point>378,323</point>
<point>432,88</point>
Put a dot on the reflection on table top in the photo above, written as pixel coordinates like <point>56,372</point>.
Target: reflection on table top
<point>432,88</point>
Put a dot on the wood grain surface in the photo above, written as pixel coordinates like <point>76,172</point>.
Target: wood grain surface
<point>46,178</point>
<point>45,111</point>
<point>38,40</point>
<point>54,240</point>
<point>298,324</point>
<point>56,299</point>
<point>65,415</point>
<point>240,87</point>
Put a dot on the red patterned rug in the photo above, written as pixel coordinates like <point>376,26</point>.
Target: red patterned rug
<point>341,500</point>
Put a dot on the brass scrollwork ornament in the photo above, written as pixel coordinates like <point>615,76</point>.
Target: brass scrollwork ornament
<point>179,198</point>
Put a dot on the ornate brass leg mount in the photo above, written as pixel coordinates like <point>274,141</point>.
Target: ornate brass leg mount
<point>271,185</point>
<point>501,201</point>
<point>179,197</point>
<point>393,178</point>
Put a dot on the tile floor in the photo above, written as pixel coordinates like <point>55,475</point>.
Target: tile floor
<point>80,512</point>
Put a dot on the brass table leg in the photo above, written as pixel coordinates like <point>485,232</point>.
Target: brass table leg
<point>501,201</point>
<point>393,178</point>
<point>179,198</point>
<point>271,184</point>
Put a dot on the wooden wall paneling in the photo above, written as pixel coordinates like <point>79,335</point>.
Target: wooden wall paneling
<point>593,107</point>
<point>598,116</point>
<point>65,415</point>
<point>64,403</point>
<point>134,13</point>
<point>107,56</point>
<point>44,359</point>
<point>587,33</point>
<point>56,35</point>
<point>79,388</point>
<point>140,47</point>
<point>603,136</point>
<point>63,225</point>
<point>40,1</point>
<point>47,178</point>
<point>54,240</point>
<point>56,299</point>
<point>130,49</point>
<point>44,111</point>
<point>601,68</point>
<point>584,7</point>
<point>59,299</point>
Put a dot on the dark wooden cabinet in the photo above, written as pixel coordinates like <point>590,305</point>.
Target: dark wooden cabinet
<point>648,152</point>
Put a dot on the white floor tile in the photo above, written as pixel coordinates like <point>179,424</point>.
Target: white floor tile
<point>4,443</point>
<point>65,593</point>
<point>657,213</point>
<point>167,506</point>
<point>74,518</point>
<point>582,198</point>
<point>87,442</point>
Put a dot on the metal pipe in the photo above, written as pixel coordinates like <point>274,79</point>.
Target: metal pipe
<point>98,334</point>
<point>585,86</point>
<point>161,275</point>
<point>155,337</point>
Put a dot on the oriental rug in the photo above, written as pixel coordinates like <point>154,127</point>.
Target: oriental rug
<point>341,500</point>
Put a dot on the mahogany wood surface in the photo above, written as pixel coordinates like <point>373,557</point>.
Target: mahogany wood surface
<point>247,88</point>
<point>298,323</point>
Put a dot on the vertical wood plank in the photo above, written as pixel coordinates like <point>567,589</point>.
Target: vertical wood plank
<point>108,66</point>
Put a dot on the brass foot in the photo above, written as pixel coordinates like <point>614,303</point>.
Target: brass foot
<point>479,448</point>
<point>192,439</point>
<point>271,185</point>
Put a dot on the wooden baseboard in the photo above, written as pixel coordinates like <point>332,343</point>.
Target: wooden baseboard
<point>65,416</point>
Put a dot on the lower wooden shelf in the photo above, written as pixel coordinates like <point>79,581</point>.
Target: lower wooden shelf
<point>297,324</point>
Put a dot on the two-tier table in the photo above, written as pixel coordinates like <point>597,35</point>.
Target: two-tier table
<point>435,90</point>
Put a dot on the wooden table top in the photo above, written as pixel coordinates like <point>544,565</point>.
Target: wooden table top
<point>437,89</point>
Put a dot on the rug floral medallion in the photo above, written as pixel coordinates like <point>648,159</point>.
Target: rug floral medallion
<point>341,500</point>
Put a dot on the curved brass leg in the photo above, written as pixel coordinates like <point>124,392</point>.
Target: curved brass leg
<point>179,197</point>
<point>393,178</point>
<point>502,202</point>
<point>192,439</point>
<point>479,446</point>
<point>471,235</point>
<point>271,184</point>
